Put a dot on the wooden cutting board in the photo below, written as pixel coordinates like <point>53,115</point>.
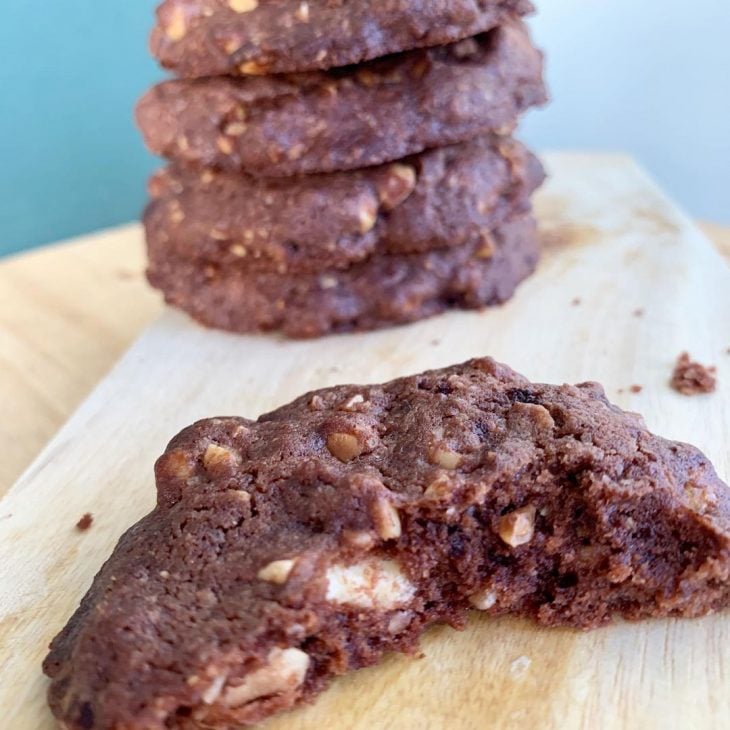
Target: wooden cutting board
<point>626,284</point>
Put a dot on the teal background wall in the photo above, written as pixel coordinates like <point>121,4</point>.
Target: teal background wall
<point>650,79</point>
<point>71,159</point>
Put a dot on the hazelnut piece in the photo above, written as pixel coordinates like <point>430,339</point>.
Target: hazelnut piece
<point>176,28</point>
<point>344,446</point>
<point>175,465</point>
<point>277,571</point>
<point>367,215</point>
<point>302,12</point>
<point>483,600</point>
<point>518,527</point>
<point>281,676</point>
<point>439,489</point>
<point>386,518</point>
<point>243,6</point>
<point>252,68</point>
<point>446,458</point>
<point>350,403</point>
<point>397,186</point>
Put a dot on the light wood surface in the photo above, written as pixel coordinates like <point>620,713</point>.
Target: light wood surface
<point>613,242</point>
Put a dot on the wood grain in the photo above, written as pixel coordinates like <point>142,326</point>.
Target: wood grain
<point>613,242</point>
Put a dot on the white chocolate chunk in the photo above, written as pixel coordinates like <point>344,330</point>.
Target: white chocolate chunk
<point>373,583</point>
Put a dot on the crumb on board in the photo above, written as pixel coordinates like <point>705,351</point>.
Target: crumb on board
<point>577,302</point>
<point>85,522</point>
<point>636,388</point>
<point>639,312</point>
<point>435,343</point>
<point>692,378</point>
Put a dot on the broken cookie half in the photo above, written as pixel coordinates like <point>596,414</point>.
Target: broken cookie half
<point>309,543</point>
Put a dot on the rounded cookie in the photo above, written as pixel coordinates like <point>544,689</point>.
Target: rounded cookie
<point>441,198</point>
<point>381,291</point>
<point>348,118</point>
<point>196,38</point>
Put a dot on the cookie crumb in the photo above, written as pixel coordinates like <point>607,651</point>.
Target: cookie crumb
<point>576,302</point>
<point>519,666</point>
<point>435,343</point>
<point>691,378</point>
<point>639,312</point>
<point>636,388</point>
<point>85,522</point>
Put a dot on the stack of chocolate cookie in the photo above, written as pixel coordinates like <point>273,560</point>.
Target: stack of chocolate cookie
<point>340,165</point>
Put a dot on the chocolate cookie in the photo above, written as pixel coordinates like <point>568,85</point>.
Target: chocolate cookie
<point>198,38</point>
<point>380,291</point>
<point>349,118</point>
<point>289,550</point>
<point>441,198</point>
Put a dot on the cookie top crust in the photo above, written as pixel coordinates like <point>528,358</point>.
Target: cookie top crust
<point>196,38</point>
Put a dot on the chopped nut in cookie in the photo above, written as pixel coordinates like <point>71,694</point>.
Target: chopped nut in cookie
<point>220,459</point>
<point>517,528</point>
<point>445,457</point>
<point>243,6</point>
<point>397,185</point>
<point>345,446</point>
<point>386,518</point>
<point>283,674</point>
<point>278,571</point>
<point>484,599</point>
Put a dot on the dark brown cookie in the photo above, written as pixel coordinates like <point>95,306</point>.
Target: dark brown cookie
<point>309,543</point>
<point>196,38</point>
<point>321,122</point>
<point>380,291</point>
<point>447,197</point>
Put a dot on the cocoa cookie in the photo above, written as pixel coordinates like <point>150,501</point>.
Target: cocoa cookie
<point>348,118</point>
<point>196,38</point>
<point>380,291</point>
<point>441,198</point>
<point>289,550</point>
